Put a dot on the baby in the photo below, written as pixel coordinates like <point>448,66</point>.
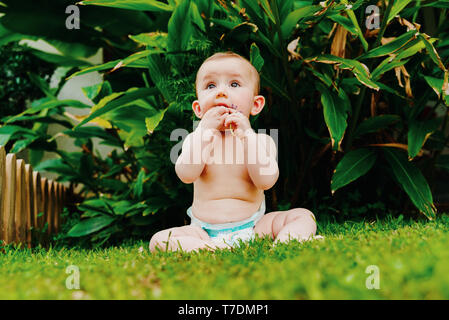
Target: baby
<point>228,201</point>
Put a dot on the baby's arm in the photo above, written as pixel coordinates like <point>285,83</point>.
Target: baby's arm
<point>262,165</point>
<point>190,163</point>
<point>197,146</point>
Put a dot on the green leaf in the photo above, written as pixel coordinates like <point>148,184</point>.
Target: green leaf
<point>353,19</point>
<point>432,52</point>
<point>153,122</point>
<point>334,115</point>
<point>156,40</point>
<point>386,65</point>
<point>22,144</point>
<point>136,60</point>
<point>37,106</point>
<point>412,181</point>
<point>138,185</point>
<point>8,132</point>
<point>295,17</point>
<point>437,86</point>
<point>267,9</point>
<point>180,27</point>
<point>418,133</point>
<point>376,123</point>
<point>255,57</point>
<point>360,70</point>
<point>397,7</point>
<point>413,47</point>
<point>60,60</point>
<point>119,101</point>
<point>352,166</point>
<point>345,22</point>
<point>390,47</point>
<point>90,225</point>
<point>140,5</point>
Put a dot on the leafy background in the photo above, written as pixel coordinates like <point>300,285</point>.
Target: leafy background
<point>362,114</point>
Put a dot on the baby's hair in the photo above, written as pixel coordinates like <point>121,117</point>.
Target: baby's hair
<point>230,54</point>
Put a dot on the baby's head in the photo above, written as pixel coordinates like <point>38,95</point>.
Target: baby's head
<point>228,79</point>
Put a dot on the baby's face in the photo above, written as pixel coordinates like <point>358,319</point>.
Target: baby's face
<point>227,81</point>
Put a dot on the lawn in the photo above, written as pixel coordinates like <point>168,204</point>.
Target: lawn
<point>412,258</point>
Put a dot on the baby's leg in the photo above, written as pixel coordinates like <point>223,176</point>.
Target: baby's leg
<point>186,238</point>
<point>285,225</point>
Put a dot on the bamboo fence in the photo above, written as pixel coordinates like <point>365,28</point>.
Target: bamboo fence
<point>30,205</point>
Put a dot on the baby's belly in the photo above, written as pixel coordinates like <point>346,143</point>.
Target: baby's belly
<point>225,210</point>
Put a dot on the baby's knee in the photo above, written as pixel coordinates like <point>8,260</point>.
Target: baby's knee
<point>301,212</point>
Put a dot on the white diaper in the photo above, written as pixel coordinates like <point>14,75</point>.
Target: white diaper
<point>230,233</point>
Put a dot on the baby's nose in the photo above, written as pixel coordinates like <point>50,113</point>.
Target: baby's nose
<point>221,93</point>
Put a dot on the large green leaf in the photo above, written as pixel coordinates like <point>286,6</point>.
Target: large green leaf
<point>418,133</point>
<point>140,5</point>
<point>296,16</point>
<point>334,115</point>
<point>386,65</point>
<point>47,105</point>
<point>180,28</point>
<point>352,166</point>
<point>377,123</point>
<point>90,225</point>
<point>153,39</point>
<point>255,57</point>
<point>390,47</point>
<point>432,52</point>
<point>10,131</point>
<point>412,181</point>
<point>437,86</point>
<point>119,101</point>
<point>397,7</point>
<point>136,60</point>
<point>360,70</point>
<point>356,25</point>
<point>153,121</point>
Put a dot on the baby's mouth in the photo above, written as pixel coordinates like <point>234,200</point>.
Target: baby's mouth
<point>233,106</point>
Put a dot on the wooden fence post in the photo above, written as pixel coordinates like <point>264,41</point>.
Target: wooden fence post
<point>44,208</point>
<point>2,188</point>
<point>29,204</point>
<point>38,206</point>
<point>50,208</point>
<point>9,197</point>
<point>55,206</point>
<point>20,212</point>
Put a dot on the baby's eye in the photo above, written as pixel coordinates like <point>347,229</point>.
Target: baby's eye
<point>235,84</point>
<point>210,86</point>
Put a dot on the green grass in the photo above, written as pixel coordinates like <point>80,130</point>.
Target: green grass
<point>412,257</point>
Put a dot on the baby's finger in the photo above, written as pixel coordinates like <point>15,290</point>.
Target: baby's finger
<point>229,120</point>
<point>222,110</point>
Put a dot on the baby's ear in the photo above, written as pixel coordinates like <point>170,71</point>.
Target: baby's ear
<point>197,109</point>
<point>259,103</point>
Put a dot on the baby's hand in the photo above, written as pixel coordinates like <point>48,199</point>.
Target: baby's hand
<point>237,122</point>
<point>214,118</point>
